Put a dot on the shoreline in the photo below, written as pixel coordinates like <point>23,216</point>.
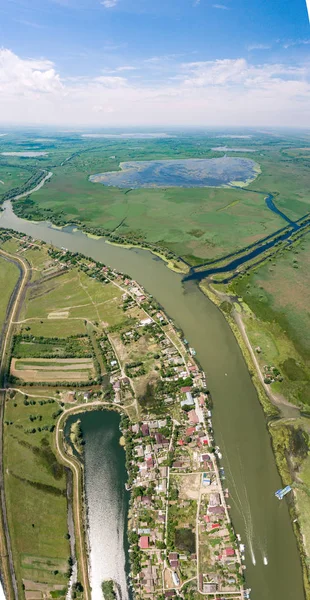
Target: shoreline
<point>272,411</point>
<point>76,466</point>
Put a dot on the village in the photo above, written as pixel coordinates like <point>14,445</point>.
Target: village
<point>181,540</point>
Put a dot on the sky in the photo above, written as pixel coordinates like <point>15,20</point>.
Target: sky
<point>107,63</point>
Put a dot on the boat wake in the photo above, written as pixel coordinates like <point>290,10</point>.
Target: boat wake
<point>243,507</point>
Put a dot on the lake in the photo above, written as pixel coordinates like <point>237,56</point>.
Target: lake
<point>186,173</point>
<point>106,498</point>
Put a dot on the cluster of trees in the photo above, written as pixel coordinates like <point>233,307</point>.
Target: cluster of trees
<point>32,182</point>
<point>108,590</point>
<point>135,369</point>
<point>54,347</point>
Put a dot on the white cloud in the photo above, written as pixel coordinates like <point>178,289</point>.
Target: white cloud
<point>298,42</point>
<point>109,3</point>
<point>259,47</point>
<point>20,76</point>
<point>126,68</point>
<point>219,92</point>
<point>110,82</point>
<point>220,6</point>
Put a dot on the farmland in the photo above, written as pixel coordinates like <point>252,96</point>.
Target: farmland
<point>36,496</point>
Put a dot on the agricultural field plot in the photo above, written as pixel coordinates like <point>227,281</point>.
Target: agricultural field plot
<point>278,294</point>
<point>52,359</point>
<point>50,328</point>
<point>28,346</point>
<point>35,487</point>
<point>52,370</point>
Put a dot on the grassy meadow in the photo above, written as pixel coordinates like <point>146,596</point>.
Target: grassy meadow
<point>195,223</point>
<point>35,487</point>
<point>9,274</point>
<point>278,295</point>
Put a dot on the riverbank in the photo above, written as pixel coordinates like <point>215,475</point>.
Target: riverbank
<point>230,311</point>
<point>276,408</point>
<point>230,385</point>
<point>173,406</point>
<point>176,265</point>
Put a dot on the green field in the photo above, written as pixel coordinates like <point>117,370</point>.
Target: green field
<point>193,223</point>
<point>278,293</point>
<point>30,347</point>
<point>36,494</point>
<point>9,274</point>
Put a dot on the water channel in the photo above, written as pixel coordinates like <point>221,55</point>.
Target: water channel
<point>273,565</point>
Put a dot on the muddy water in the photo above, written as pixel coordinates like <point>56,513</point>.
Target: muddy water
<point>273,566</point>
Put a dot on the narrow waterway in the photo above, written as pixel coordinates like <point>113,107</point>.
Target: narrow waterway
<point>273,566</point>
<point>106,499</point>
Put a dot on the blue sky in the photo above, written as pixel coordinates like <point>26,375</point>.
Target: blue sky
<point>102,56</point>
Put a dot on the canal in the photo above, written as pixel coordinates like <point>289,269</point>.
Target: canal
<point>273,565</point>
<point>106,498</point>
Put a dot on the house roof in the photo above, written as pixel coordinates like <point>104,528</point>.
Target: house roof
<point>192,417</point>
<point>144,542</point>
<point>190,430</point>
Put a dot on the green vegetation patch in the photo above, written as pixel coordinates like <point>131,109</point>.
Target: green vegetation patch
<point>28,346</point>
<point>278,327</point>
<point>9,274</point>
<point>35,487</point>
<point>185,540</point>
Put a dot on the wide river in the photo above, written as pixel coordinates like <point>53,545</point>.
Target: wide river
<point>239,423</point>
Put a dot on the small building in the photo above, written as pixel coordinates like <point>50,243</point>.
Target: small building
<point>145,429</point>
<point>214,499</point>
<point>173,556</point>
<point>144,542</point>
<point>174,564</point>
<point>187,402</point>
<point>229,552</point>
<point>216,510</point>
<point>175,578</point>
<point>189,397</point>
<point>192,417</point>
<point>147,321</point>
<point>189,431</point>
<point>209,588</point>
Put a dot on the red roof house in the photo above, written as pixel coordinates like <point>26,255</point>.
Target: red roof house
<point>144,542</point>
<point>192,417</point>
